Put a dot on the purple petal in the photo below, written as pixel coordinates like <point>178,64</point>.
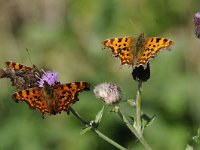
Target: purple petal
<point>50,77</point>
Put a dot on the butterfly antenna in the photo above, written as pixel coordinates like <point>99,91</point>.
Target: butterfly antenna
<point>131,21</point>
<point>29,56</point>
<point>37,76</point>
<point>43,71</point>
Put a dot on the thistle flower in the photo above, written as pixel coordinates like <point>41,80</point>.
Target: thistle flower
<point>50,77</point>
<point>108,92</point>
<point>197,24</point>
<point>141,74</point>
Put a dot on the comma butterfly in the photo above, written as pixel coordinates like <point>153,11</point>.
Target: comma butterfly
<point>136,51</point>
<point>41,90</point>
<point>21,76</point>
<point>51,99</point>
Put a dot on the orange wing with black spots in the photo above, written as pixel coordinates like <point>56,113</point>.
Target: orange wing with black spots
<point>51,100</point>
<point>136,52</point>
<point>122,48</point>
<point>68,93</point>
<point>17,66</point>
<point>152,46</point>
<point>34,98</point>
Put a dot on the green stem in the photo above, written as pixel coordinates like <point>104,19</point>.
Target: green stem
<point>77,115</point>
<point>101,135</point>
<point>134,131</point>
<point>108,139</point>
<point>138,107</point>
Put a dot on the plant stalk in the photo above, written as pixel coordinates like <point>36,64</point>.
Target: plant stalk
<point>100,134</point>
<point>134,131</point>
<point>108,139</point>
<point>138,108</point>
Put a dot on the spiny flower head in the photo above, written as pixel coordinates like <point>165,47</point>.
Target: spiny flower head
<point>108,92</point>
<point>50,77</point>
<point>197,24</point>
<point>141,74</point>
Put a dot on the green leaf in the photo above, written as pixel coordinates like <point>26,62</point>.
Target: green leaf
<point>146,120</point>
<point>197,137</point>
<point>132,118</point>
<point>131,102</point>
<point>85,130</point>
<point>99,116</point>
<point>115,109</point>
<point>189,147</point>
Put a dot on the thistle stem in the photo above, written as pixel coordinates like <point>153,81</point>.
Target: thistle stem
<point>79,117</point>
<point>100,134</point>
<point>108,139</point>
<point>134,130</point>
<point>138,107</point>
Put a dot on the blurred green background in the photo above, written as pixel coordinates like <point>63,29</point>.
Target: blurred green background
<point>65,36</point>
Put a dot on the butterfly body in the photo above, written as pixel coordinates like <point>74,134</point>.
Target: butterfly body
<point>136,51</point>
<point>51,99</point>
<point>140,46</point>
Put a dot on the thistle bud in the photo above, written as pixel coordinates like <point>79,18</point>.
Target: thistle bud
<point>197,24</point>
<point>141,74</point>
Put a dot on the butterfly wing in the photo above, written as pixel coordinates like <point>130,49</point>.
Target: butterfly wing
<point>34,98</point>
<point>21,76</point>
<point>68,93</point>
<point>152,46</point>
<point>122,48</point>
<point>17,66</point>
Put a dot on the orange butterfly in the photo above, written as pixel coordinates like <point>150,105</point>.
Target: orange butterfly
<point>136,51</point>
<point>51,99</point>
<point>47,99</point>
<point>21,76</point>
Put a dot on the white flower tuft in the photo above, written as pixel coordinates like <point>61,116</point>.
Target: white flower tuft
<point>110,93</point>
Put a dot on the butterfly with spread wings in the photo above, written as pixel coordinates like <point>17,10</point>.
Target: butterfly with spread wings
<point>136,51</point>
<point>51,99</point>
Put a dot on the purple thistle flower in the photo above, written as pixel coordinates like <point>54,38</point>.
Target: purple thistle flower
<point>50,77</point>
<point>197,24</point>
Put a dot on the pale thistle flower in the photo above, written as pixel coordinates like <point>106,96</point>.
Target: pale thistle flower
<point>108,92</point>
<point>50,77</point>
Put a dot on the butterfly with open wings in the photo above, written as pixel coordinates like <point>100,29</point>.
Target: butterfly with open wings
<point>136,51</point>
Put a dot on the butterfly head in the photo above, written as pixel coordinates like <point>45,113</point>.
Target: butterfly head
<point>141,36</point>
<point>140,40</point>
